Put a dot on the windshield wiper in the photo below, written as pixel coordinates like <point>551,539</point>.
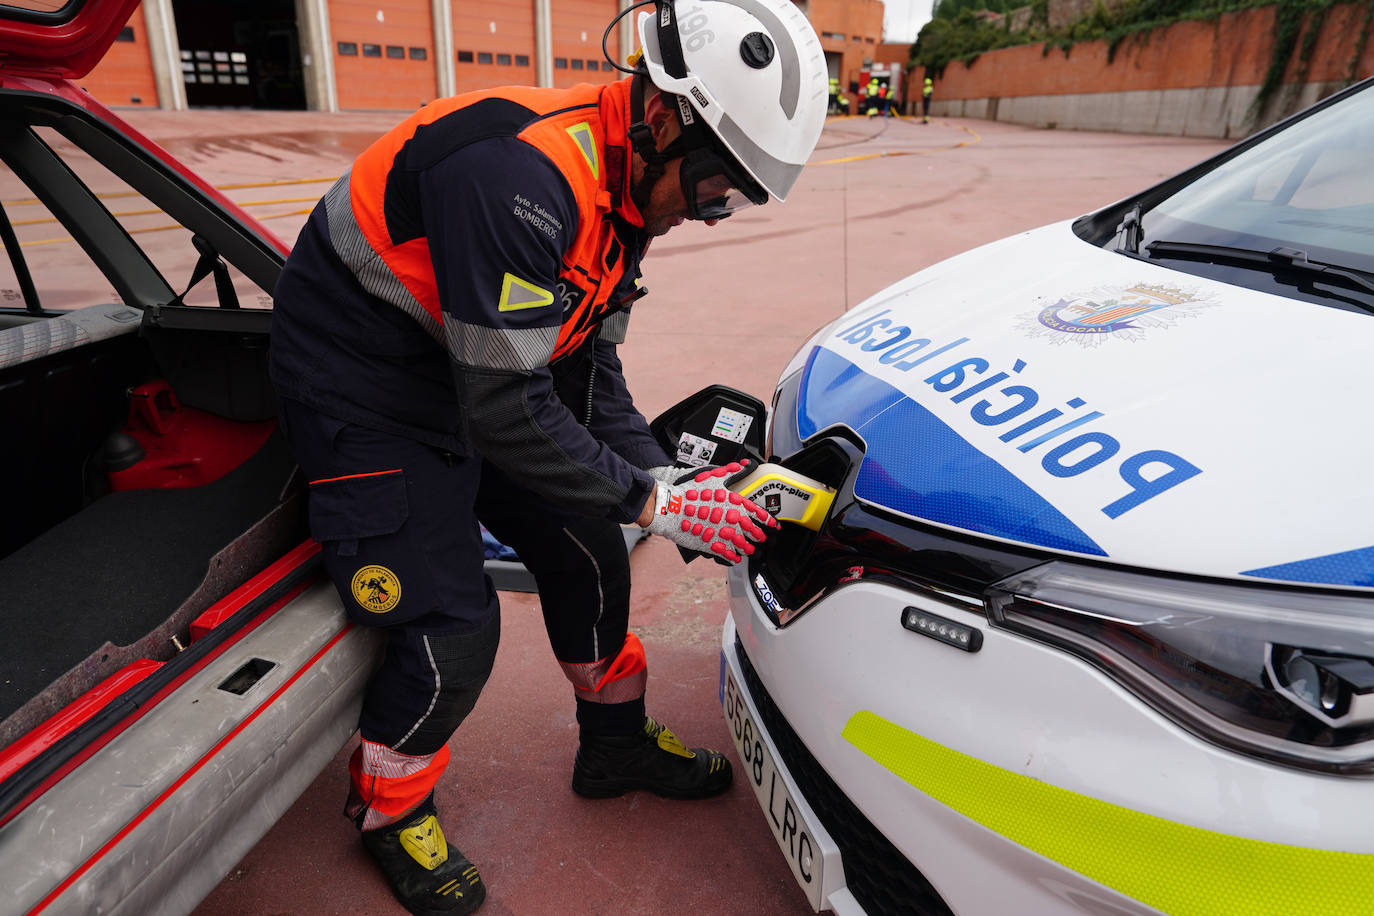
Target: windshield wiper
<point>1276,260</point>
<point>1128,232</point>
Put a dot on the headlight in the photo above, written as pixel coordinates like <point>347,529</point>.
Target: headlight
<point>1283,675</point>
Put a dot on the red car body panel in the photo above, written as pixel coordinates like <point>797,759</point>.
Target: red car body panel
<point>64,43</point>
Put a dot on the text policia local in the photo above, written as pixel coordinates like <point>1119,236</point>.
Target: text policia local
<point>1146,474</point>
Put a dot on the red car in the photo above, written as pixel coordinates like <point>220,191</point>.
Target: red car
<point>176,670</point>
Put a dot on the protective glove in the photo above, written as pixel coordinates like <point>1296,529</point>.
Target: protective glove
<point>665,473</point>
<point>697,512</point>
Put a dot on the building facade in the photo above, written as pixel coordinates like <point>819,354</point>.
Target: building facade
<point>851,32</point>
<point>350,55</point>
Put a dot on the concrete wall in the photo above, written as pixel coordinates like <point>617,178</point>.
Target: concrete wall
<point>1192,78</point>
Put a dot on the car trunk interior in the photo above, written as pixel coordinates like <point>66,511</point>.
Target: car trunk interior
<point>146,477</point>
<point>114,544</point>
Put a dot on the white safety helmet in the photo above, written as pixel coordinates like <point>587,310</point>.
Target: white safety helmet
<point>752,73</point>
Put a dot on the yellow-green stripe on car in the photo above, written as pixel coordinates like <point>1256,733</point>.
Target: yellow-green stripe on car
<point>1173,867</point>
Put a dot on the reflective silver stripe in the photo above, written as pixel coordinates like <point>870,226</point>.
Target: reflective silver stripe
<point>776,176</point>
<point>620,691</point>
<point>600,592</point>
<point>523,349</point>
<point>366,264</point>
<point>585,676</point>
<point>615,328</point>
<point>438,688</point>
<point>382,762</point>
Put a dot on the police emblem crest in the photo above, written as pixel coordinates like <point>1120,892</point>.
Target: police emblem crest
<point>1115,312</point>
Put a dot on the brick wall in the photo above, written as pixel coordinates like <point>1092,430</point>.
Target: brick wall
<point>1196,78</point>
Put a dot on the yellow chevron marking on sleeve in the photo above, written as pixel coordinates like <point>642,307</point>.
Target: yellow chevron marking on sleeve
<point>1173,867</point>
<point>519,294</point>
<point>582,133</point>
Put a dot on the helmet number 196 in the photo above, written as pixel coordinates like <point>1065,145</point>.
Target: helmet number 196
<point>692,25</point>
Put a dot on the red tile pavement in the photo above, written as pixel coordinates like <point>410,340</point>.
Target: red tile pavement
<point>729,304</point>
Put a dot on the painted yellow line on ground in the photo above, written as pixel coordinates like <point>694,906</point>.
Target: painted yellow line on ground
<point>910,152</point>
<point>332,178</point>
<point>55,241</point>
<point>154,210</point>
<point>282,200</point>
<point>272,184</point>
<point>1177,868</point>
<point>111,195</point>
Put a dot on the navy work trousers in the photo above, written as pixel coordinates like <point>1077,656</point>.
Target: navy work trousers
<point>398,524</point>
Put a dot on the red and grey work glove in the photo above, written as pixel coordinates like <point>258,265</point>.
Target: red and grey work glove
<point>699,513</point>
<point>665,473</point>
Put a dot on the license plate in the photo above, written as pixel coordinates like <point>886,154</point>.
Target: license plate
<point>788,820</point>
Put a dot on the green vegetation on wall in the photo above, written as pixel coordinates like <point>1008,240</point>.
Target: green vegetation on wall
<point>959,32</point>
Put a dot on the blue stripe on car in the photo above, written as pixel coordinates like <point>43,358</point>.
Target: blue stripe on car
<point>917,465</point>
<point>1350,567</point>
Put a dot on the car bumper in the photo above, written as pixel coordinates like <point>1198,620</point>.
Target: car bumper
<point>1019,779</point>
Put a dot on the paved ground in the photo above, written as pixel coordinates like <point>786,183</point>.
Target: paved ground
<point>730,304</point>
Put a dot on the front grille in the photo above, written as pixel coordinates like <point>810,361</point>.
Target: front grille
<point>878,875</point>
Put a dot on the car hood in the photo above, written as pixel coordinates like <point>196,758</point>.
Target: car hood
<point>1045,392</point>
<point>56,38</point>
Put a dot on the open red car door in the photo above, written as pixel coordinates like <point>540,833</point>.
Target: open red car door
<point>63,38</point>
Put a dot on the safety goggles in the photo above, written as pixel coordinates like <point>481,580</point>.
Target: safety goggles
<point>713,184</point>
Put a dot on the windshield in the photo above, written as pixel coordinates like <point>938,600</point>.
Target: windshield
<point>1308,187</point>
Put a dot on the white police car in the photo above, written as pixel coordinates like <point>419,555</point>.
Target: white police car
<point>1087,626</point>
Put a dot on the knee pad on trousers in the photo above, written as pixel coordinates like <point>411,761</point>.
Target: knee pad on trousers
<point>456,667</point>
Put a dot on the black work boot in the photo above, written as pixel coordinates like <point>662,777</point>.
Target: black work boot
<point>653,759</point>
<point>430,877</point>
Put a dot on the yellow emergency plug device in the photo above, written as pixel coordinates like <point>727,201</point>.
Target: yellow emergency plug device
<point>787,495</point>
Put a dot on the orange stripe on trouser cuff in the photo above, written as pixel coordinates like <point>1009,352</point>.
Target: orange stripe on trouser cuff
<point>388,785</point>
<point>617,679</point>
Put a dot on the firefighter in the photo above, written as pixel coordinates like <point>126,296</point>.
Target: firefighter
<point>927,90</point>
<point>834,96</point>
<point>444,351</point>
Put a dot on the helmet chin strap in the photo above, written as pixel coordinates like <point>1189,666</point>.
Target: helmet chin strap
<point>642,143</point>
